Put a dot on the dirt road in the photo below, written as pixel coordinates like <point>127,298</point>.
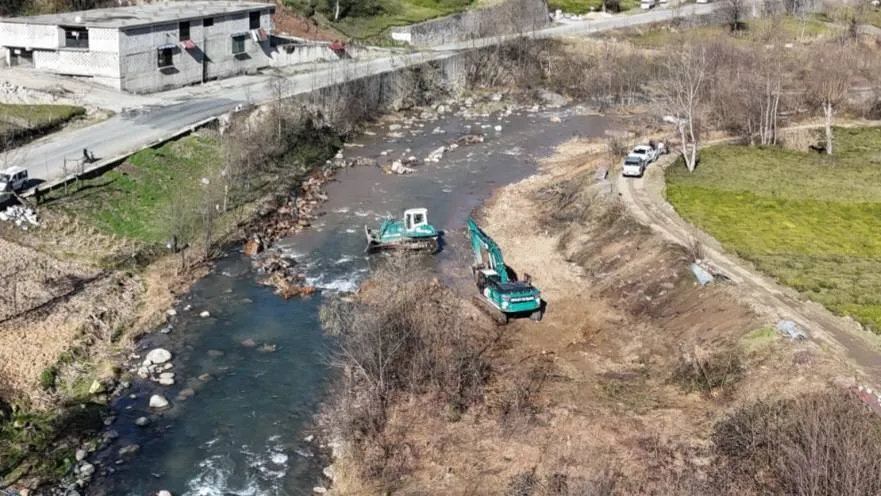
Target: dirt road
<point>644,197</point>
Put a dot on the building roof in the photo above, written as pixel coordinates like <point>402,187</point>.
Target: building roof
<point>141,15</point>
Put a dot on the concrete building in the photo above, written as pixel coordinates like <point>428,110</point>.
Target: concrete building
<point>145,48</point>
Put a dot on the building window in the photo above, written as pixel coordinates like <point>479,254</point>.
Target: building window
<point>166,58</point>
<point>208,22</point>
<point>76,38</point>
<point>254,20</point>
<point>238,44</point>
<point>184,29</point>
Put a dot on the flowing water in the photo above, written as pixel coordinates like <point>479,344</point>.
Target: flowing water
<point>244,431</point>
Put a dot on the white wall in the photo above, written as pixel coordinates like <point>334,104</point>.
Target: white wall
<point>28,35</point>
<point>104,40</point>
<point>302,54</point>
<point>77,62</point>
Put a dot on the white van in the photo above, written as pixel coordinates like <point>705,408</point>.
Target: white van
<point>646,4</point>
<point>13,178</point>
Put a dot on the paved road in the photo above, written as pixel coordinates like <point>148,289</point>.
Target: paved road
<point>127,133</point>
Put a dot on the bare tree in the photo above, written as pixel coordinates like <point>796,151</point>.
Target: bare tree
<point>735,11</point>
<point>828,79</point>
<point>686,75</point>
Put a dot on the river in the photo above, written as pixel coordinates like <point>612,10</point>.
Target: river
<point>244,431</point>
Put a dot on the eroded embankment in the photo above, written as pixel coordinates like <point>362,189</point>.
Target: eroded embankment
<point>626,387</point>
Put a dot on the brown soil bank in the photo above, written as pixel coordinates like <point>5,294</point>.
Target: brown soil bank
<point>638,381</point>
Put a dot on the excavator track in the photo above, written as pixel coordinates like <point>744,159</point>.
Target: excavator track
<point>429,245</point>
<point>499,316</point>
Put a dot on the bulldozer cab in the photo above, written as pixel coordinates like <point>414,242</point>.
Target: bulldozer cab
<point>415,217</point>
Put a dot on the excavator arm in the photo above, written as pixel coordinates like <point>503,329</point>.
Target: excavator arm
<point>482,244</point>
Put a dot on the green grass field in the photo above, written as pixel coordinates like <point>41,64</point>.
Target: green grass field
<point>135,200</point>
<point>585,6</point>
<point>19,119</point>
<point>393,13</point>
<point>811,221</point>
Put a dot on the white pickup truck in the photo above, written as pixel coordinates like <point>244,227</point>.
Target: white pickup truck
<point>650,154</point>
<point>634,166</point>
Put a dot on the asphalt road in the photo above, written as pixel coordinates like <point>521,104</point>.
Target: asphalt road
<point>126,133</point>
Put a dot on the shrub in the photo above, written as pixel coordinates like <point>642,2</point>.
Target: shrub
<point>825,443</point>
<point>708,374</point>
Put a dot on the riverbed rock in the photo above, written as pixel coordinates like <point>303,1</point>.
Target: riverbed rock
<point>80,455</point>
<point>171,312</point>
<point>551,99</point>
<point>142,421</point>
<point>394,127</point>
<point>205,314</point>
<point>129,450</point>
<point>158,402</point>
<point>163,493</point>
<point>436,155</point>
<point>187,393</point>
<point>158,356</point>
<point>267,348</point>
<point>87,469</point>
<point>319,490</point>
<point>253,246</point>
<point>398,167</point>
<point>204,377</point>
<point>469,139</point>
<point>96,387</point>
<point>329,472</point>
<point>556,119</point>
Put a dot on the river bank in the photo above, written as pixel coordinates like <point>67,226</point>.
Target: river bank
<point>636,381</point>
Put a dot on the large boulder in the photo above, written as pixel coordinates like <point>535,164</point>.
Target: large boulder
<point>158,402</point>
<point>158,356</point>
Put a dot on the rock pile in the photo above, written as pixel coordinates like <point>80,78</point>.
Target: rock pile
<point>156,367</point>
<point>21,216</point>
<point>282,274</point>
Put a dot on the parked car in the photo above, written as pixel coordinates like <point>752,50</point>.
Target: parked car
<point>634,166</point>
<point>13,178</point>
<point>649,153</point>
<point>646,4</point>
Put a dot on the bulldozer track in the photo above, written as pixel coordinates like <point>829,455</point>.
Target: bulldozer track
<point>644,198</point>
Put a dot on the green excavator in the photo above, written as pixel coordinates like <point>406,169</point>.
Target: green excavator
<point>413,232</point>
<point>501,294</point>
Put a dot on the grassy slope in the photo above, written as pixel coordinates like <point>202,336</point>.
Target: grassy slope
<point>395,13</point>
<point>584,6</point>
<point>809,220</point>
<point>132,201</point>
<point>18,118</point>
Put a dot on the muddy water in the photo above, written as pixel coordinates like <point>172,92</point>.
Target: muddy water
<point>243,432</point>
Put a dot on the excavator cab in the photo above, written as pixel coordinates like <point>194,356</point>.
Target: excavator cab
<point>415,218</point>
